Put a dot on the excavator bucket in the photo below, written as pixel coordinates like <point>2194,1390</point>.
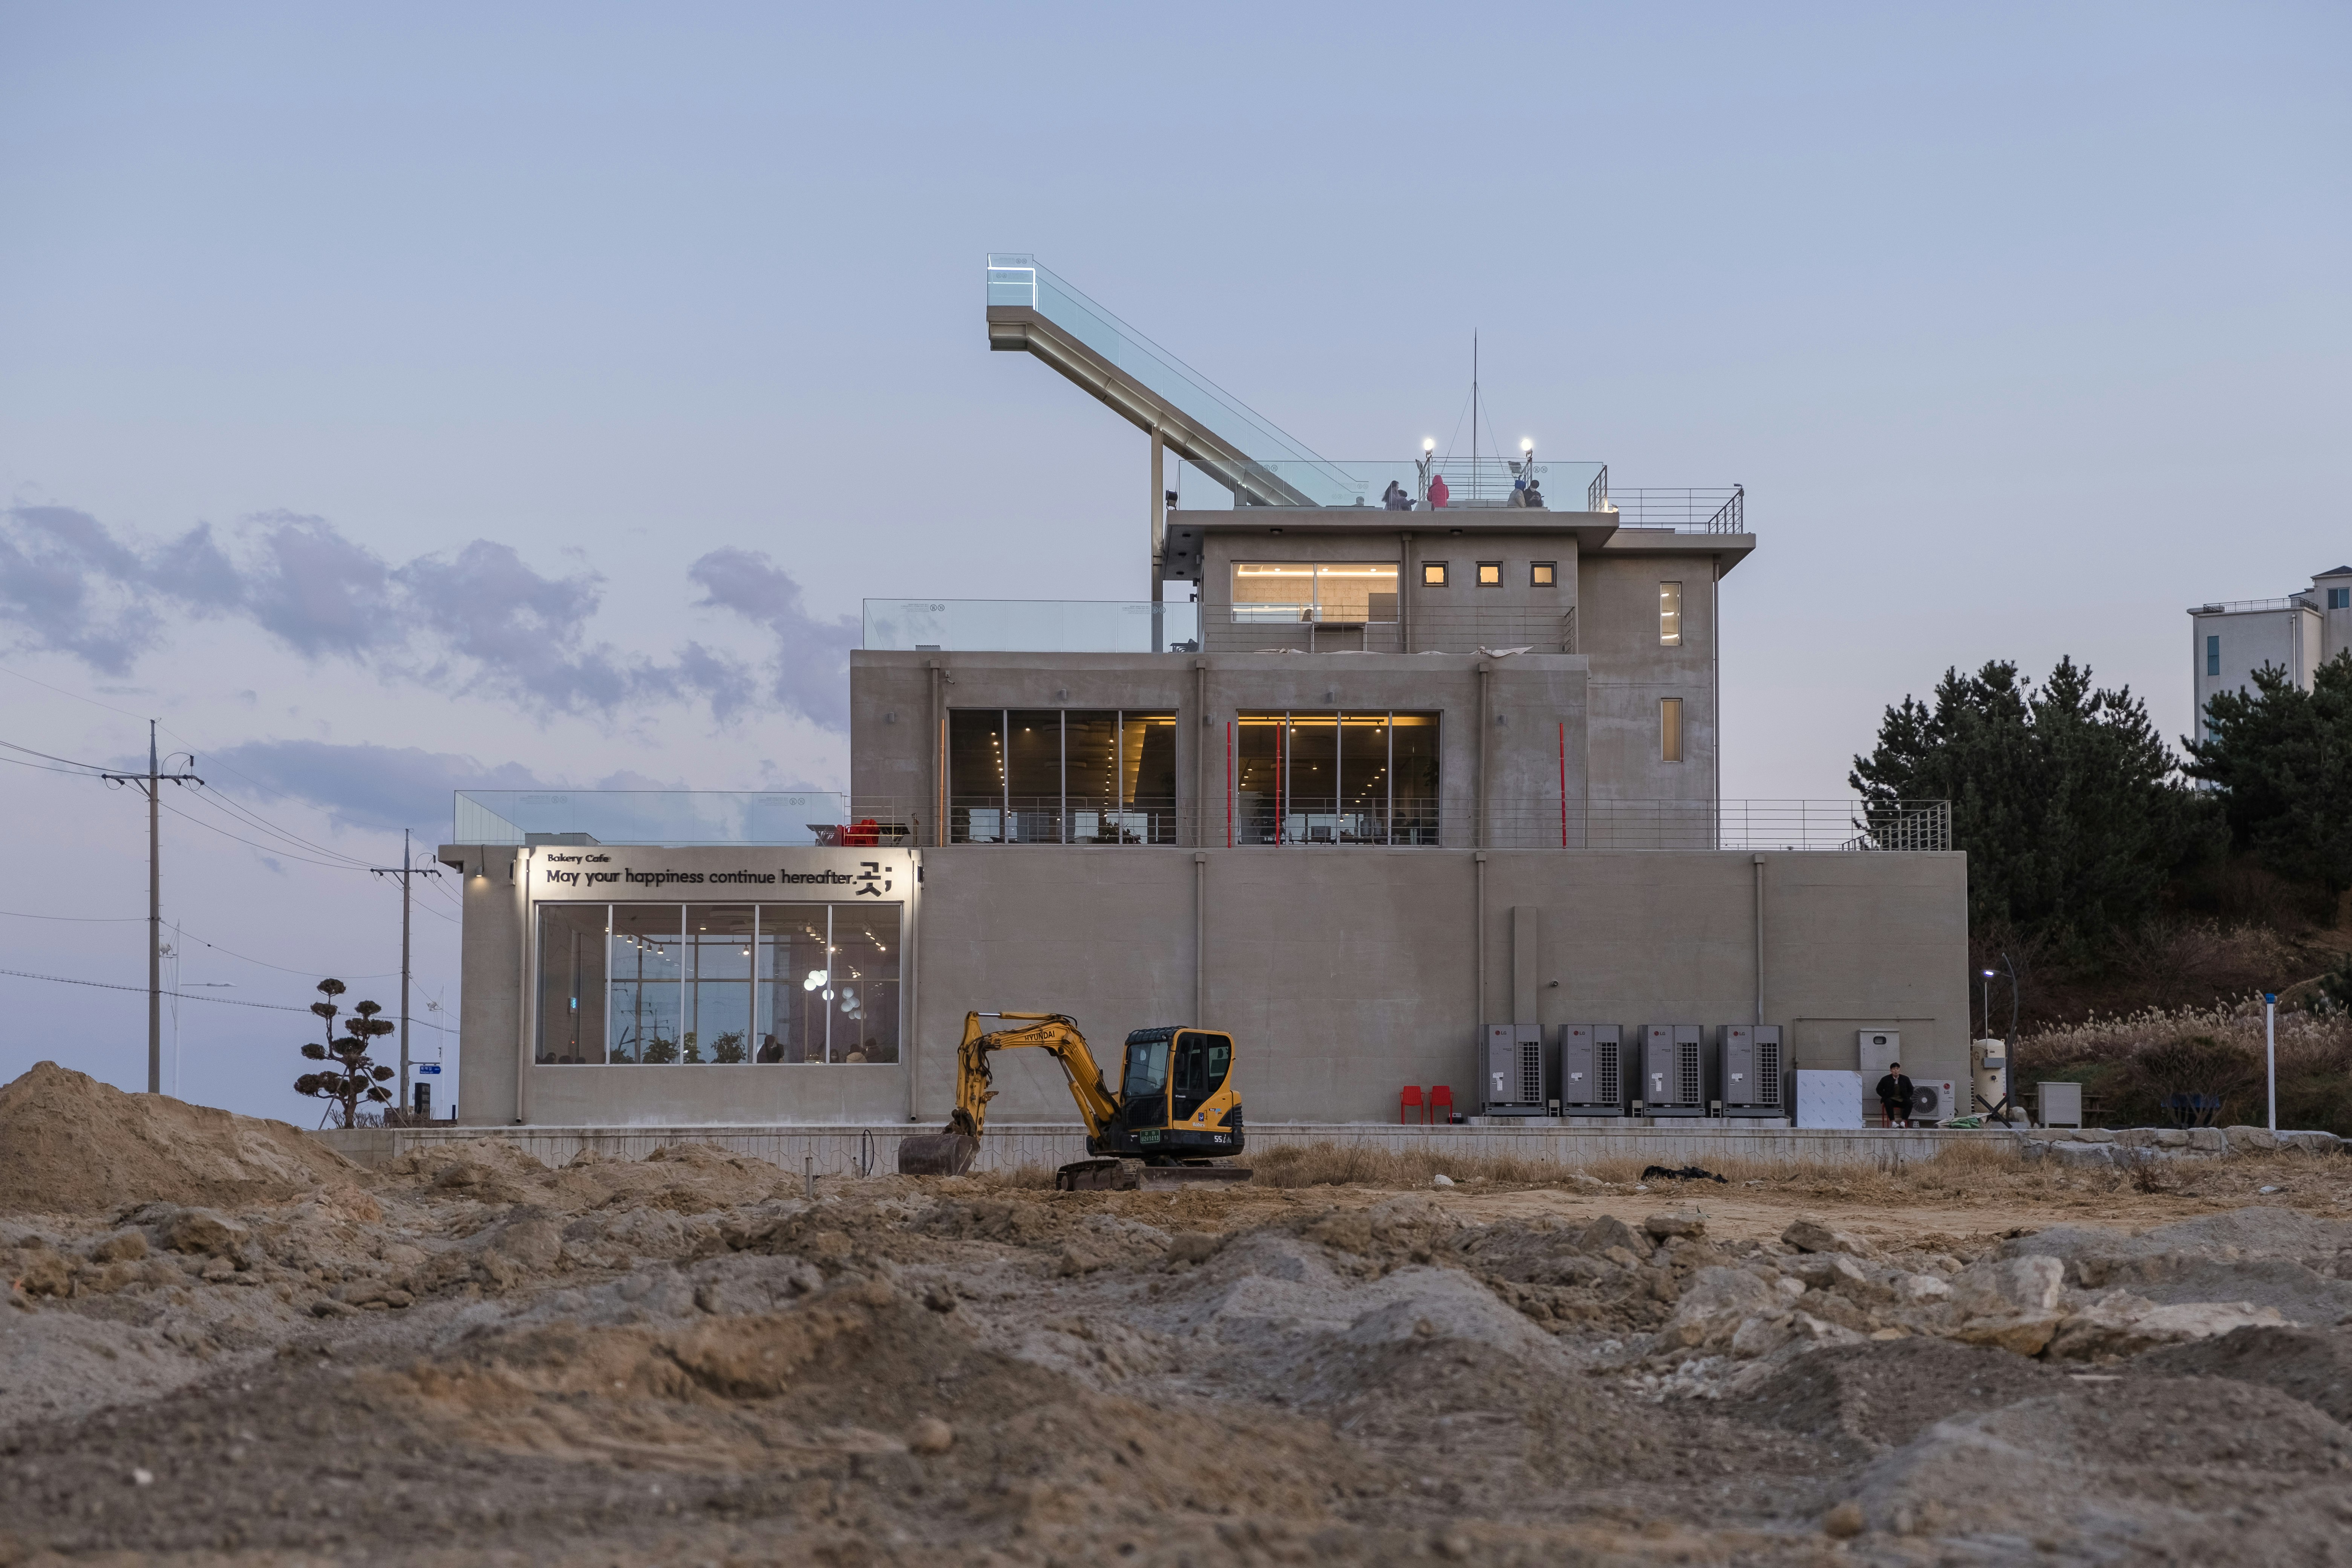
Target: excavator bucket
<point>936,1153</point>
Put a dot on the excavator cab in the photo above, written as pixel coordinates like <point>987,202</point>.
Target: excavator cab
<point>1177,1098</point>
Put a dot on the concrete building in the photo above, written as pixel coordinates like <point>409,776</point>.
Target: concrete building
<point>1392,774</point>
<point>2229,642</point>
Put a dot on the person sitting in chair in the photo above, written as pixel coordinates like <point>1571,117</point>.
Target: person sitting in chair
<point>1895,1096</point>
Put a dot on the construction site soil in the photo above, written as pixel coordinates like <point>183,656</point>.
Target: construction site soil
<point>223,1343</point>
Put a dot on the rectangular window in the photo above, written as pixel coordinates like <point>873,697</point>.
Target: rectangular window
<point>1339,592</point>
<point>1670,615</point>
<point>1432,574</point>
<point>1490,574</point>
<point>718,984</point>
<point>1670,729</point>
<point>2212,655</point>
<point>1050,777</point>
<point>2339,598</point>
<point>1543,575</point>
<point>1334,778</point>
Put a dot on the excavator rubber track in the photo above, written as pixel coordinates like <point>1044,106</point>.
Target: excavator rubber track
<point>1115,1175</point>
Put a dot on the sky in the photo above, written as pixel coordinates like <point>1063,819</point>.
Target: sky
<point>401,399</point>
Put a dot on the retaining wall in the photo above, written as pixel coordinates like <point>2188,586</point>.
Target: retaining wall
<point>1009,1146</point>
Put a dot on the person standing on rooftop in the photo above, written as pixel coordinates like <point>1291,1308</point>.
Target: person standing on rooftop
<point>1437,492</point>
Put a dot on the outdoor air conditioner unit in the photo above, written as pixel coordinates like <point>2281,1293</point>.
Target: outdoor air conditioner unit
<point>1747,1066</point>
<point>1935,1099</point>
<point>1591,1070</point>
<point>1515,1075</point>
<point>1674,1070</point>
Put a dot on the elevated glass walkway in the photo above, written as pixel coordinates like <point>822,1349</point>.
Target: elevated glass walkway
<point>1031,309</point>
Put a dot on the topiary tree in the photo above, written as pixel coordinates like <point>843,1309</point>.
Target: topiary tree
<point>358,1080</point>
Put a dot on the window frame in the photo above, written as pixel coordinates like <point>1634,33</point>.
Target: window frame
<point>1490,574</point>
<point>1543,573</point>
<point>1153,815</point>
<point>1671,749</point>
<point>692,988</point>
<point>1670,639</point>
<point>1436,575</point>
<point>2212,655</point>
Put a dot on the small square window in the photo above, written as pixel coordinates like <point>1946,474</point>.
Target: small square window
<point>1432,574</point>
<point>1543,575</point>
<point>1490,574</point>
<point>2339,598</point>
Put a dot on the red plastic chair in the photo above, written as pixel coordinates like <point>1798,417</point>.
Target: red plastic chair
<point>1410,1102</point>
<point>1441,1098</point>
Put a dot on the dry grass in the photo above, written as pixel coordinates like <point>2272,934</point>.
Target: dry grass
<point>1955,1168</point>
<point>2138,1060</point>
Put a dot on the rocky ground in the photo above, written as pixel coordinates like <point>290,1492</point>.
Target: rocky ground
<point>470,1357</point>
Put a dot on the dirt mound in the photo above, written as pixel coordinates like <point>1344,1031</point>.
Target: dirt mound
<point>833,1414</point>
<point>1884,1396</point>
<point>76,1146</point>
<point>2177,1470</point>
<point>2314,1365</point>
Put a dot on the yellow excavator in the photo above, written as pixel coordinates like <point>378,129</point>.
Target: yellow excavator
<point>1175,1106</point>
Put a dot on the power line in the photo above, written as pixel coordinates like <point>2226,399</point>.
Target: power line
<point>87,919</point>
<point>76,696</point>
<point>86,767</point>
<point>181,995</point>
<point>265,848</point>
<point>70,773</point>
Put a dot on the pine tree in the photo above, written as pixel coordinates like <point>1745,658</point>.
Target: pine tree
<point>2063,796</point>
<point>359,1079</point>
<point>2282,758</point>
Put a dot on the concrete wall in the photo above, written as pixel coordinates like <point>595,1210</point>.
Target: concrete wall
<point>1632,670</point>
<point>1344,974</point>
<point>1010,1146</point>
<point>2291,638</point>
<point>1538,705</point>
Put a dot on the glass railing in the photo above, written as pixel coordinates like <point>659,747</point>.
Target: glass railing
<point>1017,280</point>
<point>1031,626</point>
<point>673,818</point>
<point>1455,484</point>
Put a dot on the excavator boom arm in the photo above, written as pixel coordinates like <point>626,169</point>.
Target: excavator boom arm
<point>986,1033</point>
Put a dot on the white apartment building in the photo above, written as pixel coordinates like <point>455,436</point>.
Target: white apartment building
<point>2299,633</point>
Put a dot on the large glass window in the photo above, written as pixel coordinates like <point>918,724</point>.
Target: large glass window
<point>1054,777</point>
<point>718,984</point>
<point>1348,592</point>
<point>1335,778</point>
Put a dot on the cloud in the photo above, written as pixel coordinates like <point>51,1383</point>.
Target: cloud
<point>811,666</point>
<point>483,621</point>
<point>69,587</point>
<point>374,788</point>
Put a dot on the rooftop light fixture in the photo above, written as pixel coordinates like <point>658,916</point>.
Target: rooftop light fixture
<point>1428,444</point>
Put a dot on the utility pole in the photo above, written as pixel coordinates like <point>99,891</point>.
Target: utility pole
<point>405,872</point>
<point>152,782</point>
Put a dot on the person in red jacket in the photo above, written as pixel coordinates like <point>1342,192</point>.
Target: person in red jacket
<point>1437,491</point>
